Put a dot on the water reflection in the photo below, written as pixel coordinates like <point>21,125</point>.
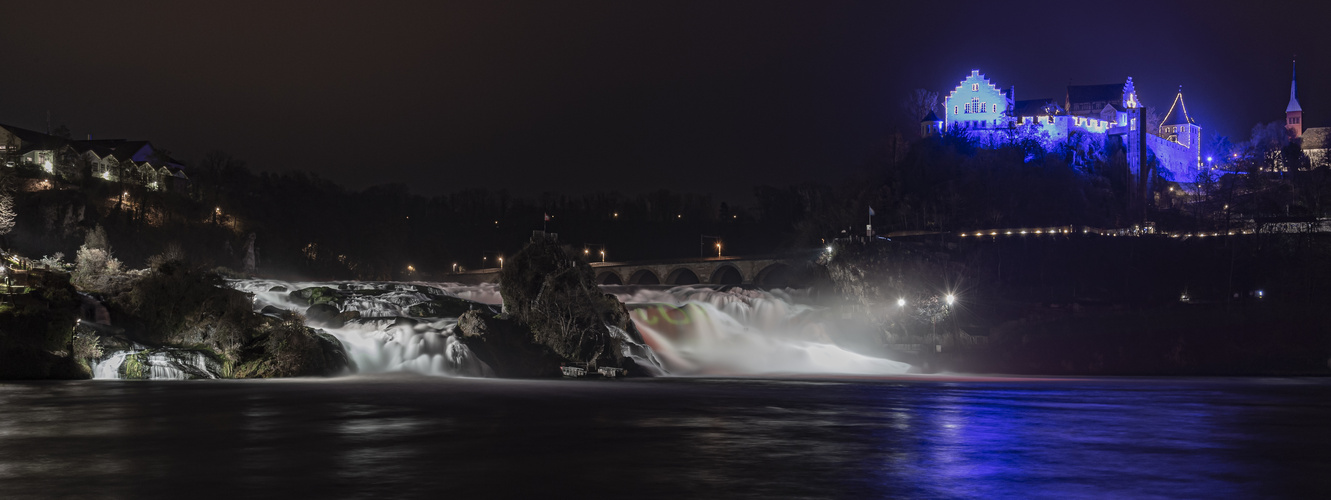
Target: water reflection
<point>375,437</point>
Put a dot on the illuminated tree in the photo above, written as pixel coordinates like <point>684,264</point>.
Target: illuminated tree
<point>7,212</point>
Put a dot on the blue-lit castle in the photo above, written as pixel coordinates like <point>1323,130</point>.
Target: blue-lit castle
<point>993,116</point>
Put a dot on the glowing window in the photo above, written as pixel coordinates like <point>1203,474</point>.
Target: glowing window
<point>955,110</point>
<point>968,107</point>
<point>995,108</point>
<point>1051,118</point>
<point>981,108</point>
<point>975,87</point>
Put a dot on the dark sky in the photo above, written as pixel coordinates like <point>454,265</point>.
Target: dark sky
<point>621,95</point>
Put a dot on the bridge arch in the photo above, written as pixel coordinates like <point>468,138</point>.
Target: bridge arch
<point>609,278</point>
<point>644,277</point>
<point>776,275</point>
<point>682,276</point>
<point>726,274</point>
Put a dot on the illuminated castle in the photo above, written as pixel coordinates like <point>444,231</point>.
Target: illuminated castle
<point>992,115</point>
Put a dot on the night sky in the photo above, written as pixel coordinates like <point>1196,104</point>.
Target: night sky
<point>626,96</point>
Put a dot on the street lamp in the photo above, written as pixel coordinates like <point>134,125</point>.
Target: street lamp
<point>501,262</point>
<point>718,249</point>
<point>951,299</point>
<point>602,255</point>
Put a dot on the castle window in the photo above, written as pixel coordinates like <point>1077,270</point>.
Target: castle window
<point>955,110</point>
<point>975,87</point>
<point>981,108</point>
<point>1051,118</point>
<point>995,108</point>
<point>968,107</point>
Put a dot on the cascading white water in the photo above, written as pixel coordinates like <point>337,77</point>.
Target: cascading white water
<point>689,330</point>
<point>386,338</point>
<point>156,365</point>
<point>703,330</point>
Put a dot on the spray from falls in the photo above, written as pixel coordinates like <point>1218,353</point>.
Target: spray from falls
<point>702,330</point>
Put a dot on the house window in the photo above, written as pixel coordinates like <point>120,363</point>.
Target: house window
<point>1051,118</point>
<point>975,87</point>
<point>981,109</point>
<point>968,107</point>
<point>954,110</point>
<point>995,108</point>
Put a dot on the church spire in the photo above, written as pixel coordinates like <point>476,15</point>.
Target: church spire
<point>1294,113</point>
<point>1293,81</point>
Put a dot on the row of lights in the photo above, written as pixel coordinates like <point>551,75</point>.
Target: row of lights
<point>1010,232</point>
<point>949,298</point>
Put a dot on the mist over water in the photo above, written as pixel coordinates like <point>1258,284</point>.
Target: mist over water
<point>689,330</point>
<point>732,330</point>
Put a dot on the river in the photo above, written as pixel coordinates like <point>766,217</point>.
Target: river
<point>416,436</point>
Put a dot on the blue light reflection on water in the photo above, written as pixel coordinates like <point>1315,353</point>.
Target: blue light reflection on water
<point>1024,440</point>
<point>732,438</point>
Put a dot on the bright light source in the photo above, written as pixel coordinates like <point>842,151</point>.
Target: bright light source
<point>901,302</point>
<point>951,299</point>
<point>1261,294</point>
<point>829,248</point>
<point>47,166</point>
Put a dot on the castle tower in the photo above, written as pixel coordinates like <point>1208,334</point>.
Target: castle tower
<point>1294,113</point>
<point>1181,129</point>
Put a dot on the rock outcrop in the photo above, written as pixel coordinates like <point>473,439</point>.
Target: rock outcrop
<point>553,313</point>
<point>179,307</point>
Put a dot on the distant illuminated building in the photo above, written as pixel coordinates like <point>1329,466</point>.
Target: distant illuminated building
<point>981,109</point>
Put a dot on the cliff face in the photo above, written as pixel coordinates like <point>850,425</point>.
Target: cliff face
<point>37,332</point>
<point>179,307</point>
<point>553,312</point>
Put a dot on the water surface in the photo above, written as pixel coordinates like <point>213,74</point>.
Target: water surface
<point>412,436</point>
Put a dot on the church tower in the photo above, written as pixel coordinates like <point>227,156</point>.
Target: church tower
<point>1294,113</point>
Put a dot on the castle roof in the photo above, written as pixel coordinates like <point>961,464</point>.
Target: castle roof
<point>1095,93</point>
<point>1036,107</point>
<point>1178,113</point>
<point>931,117</point>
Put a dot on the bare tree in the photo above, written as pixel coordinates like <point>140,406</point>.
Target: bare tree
<point>919,103</point>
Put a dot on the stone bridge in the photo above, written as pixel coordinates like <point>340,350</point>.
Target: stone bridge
<point>769,271</point>
<point>760,271</point>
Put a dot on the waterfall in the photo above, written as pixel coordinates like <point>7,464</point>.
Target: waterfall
<point>162,364</point>
<point>687,330</point>
<point>386,337</point>
<point>704,330</point>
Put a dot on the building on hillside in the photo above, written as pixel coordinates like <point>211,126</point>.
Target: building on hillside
<point>1314,141</point>
<point>116,160</point>
<point>983,110</point>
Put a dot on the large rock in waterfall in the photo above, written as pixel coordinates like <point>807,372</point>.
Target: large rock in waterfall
<point>177,306</point>
<point>553,313</point>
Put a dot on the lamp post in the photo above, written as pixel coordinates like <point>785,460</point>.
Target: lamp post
<point>718,249</point>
